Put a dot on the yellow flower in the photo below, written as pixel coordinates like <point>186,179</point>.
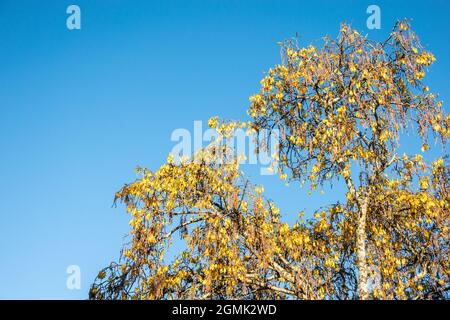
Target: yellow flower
<point>259,189</point>
<point>213,122</point>
<point>423,183</point>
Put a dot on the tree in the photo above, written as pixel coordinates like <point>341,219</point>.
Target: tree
<point>342,111</point>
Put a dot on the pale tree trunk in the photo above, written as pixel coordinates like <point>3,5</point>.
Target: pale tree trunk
<point>361,237</point>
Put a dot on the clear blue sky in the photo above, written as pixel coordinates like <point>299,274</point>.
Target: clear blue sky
<point>80,109</point>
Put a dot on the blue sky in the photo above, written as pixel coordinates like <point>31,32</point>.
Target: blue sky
<point>80,109</point>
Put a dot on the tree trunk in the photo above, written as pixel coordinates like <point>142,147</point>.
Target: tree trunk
<point>361,252</point>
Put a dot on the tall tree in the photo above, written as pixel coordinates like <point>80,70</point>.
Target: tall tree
<point>342,111</point>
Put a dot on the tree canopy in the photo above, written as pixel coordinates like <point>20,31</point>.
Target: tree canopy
<point>342,111</point>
